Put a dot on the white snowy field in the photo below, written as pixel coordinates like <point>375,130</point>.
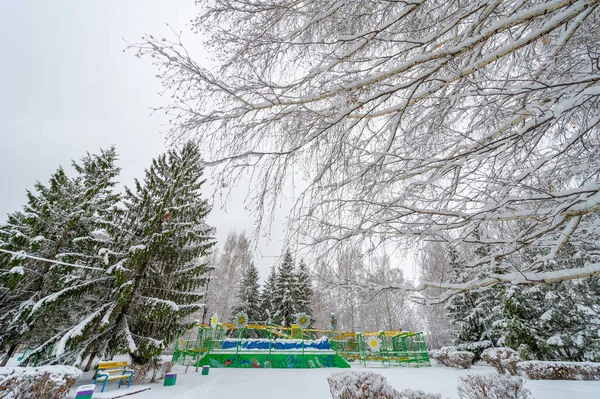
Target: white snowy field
<point>312,384</point>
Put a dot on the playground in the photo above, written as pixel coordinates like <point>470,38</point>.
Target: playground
<point>243,345</point>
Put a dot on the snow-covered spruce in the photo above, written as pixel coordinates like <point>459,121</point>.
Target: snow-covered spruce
<point>283,300</point>
<point>37,382</point>
<point>160,241</point>
<point>128,277</point>
<point>249,295</point>
<point>540,370</point>
<point>556,321</point>
<point>57,242</point>
<point>491,386</point>
<point>366,384</point>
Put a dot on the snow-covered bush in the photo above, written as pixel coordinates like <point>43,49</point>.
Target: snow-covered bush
<point>368,385</point>
<point>502,359</point>
<point>538,370</point>
<point>491,386</point>
<point>475,347</point>
<point>462,359</point>
<point>47,382</point>
<point>355,385</point>
<point>152,371</point>
<point>450,357</point>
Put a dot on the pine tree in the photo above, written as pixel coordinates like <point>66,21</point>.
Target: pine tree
<point>284,304</point>
<point>249,295</point>
<point>266,296</point>
<point>163,237</point>
<point>59,223</point>
<point>303,289</point>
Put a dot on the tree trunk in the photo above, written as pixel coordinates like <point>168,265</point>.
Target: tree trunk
<point>10,354</point>
<point>88,366</point>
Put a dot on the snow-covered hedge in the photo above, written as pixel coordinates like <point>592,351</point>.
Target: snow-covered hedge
<point>538,370</point>
<point>47,382</point>
<point>502,359</point>
<point>366,384</point>
<point>450,357</point>
<point>491,386</point>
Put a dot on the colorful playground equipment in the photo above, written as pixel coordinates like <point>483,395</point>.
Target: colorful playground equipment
<point>270,346</point>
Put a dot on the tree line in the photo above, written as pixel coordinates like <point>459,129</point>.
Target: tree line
<point>86,271</point>
<point>327,288</point>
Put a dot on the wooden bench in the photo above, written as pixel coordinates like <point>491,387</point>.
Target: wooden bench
<point>113,371</point>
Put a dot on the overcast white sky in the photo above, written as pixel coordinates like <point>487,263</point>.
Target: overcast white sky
<point>67,87</point>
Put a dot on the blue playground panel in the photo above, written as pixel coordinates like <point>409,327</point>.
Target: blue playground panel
<point>280,344</point>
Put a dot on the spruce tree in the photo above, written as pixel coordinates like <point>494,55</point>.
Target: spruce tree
<point>266,296</point>
<point>303,289</point>
<point>557,321</point>
<point>43,300</point>
<point>475,313</point>
<point>284,303</point>
<point>249,295</point>
<point>160,240</point>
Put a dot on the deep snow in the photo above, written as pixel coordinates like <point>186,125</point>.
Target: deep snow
<point>312,384</point>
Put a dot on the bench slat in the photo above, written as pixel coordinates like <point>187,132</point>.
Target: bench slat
<point>113,371</point>
<point>110,365</point>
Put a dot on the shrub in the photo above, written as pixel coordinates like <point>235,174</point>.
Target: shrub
<point>491,386</point>
<point>538,370</point>
<point>48,382</point>
<point>450,357</point>
<point>462,359</point>
<point>365,384</point>
<point>154,371</point>
<point>502,359</point>
<point>476,348</point>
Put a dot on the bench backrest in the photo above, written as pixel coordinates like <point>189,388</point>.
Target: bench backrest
<point>111,365</point>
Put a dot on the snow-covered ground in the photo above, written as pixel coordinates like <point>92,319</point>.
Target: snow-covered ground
<point>312,384</point>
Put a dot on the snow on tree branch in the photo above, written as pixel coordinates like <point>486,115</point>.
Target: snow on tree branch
<point>427,120</point>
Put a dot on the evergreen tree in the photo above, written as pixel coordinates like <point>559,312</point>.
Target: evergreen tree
<point>284,304</point>
<point>42,300</point>
<point>162,237</point>
<point>547,322</point>
<point>249,295</point>
<point>303,289</point>
<point>266,296</point>
<point>558,320</point>
<point>475,313</point>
